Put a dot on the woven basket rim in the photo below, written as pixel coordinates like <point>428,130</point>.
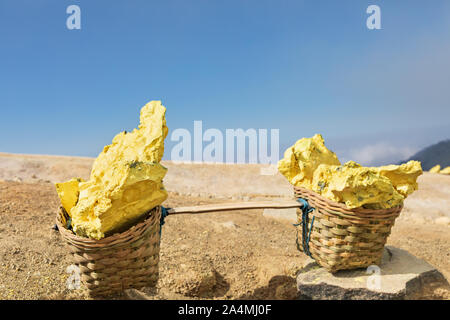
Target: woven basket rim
<point>125,235</point>
<point>342,206</point>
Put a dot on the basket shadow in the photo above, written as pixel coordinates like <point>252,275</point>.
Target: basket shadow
<point>278,288</point>
<point>220,288</point>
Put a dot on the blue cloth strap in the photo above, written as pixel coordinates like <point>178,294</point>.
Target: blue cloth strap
<point>306,230</point>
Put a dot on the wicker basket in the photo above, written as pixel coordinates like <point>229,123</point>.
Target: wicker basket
<point>343,238</point>
<point>121,261</point>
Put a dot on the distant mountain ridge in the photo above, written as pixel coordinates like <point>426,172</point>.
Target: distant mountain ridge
<point>438,153</point>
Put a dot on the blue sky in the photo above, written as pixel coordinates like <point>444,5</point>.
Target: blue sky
<point>303,67</point>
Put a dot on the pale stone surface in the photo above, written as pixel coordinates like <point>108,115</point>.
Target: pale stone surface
<point>402,276</point>
<point>289,214</point>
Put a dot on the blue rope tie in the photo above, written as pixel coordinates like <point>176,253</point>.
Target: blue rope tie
<point>164,214</point>
<point>306,232</point>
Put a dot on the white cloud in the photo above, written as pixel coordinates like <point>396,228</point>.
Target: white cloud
<point>379,154</point>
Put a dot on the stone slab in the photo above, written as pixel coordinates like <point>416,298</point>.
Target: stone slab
<point>399,276</point>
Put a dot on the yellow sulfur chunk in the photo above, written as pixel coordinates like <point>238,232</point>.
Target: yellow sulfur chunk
<point>309,164</point>
<point>302,159</point>
<point>126,178</point>
<point>403,177</point>
<point>135,188</point>
<point>445,171</point>
<point>435,169</point>
<point>356,186</point>
<point>68,192</point>
<point>145,144</point>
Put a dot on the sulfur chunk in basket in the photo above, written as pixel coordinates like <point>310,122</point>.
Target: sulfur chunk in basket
<point>309,164</point>
<point>302,159</point>
<point>68,192</point>
<point>403,177</point>
<point>126,179</point>
<point>368,187</point>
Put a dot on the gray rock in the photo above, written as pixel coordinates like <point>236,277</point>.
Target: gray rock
<point>289,214</point>
<point>400,276</point>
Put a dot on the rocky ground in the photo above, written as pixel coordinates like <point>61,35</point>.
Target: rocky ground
<point>224,255</point>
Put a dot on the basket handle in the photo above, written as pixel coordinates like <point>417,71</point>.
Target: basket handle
<point>236,206</point>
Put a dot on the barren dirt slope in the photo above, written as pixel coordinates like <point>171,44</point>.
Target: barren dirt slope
<point>232,255</point>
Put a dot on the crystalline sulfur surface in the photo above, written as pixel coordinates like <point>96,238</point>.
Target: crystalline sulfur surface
<point>125,182</point>
<point>302,159</point>
<point>358,186</point>
<point>68,192</point>
<point>309,164</point>
<point>403,177</point>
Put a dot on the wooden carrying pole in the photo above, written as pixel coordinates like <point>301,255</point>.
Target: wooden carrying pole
<point>282,204</point>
